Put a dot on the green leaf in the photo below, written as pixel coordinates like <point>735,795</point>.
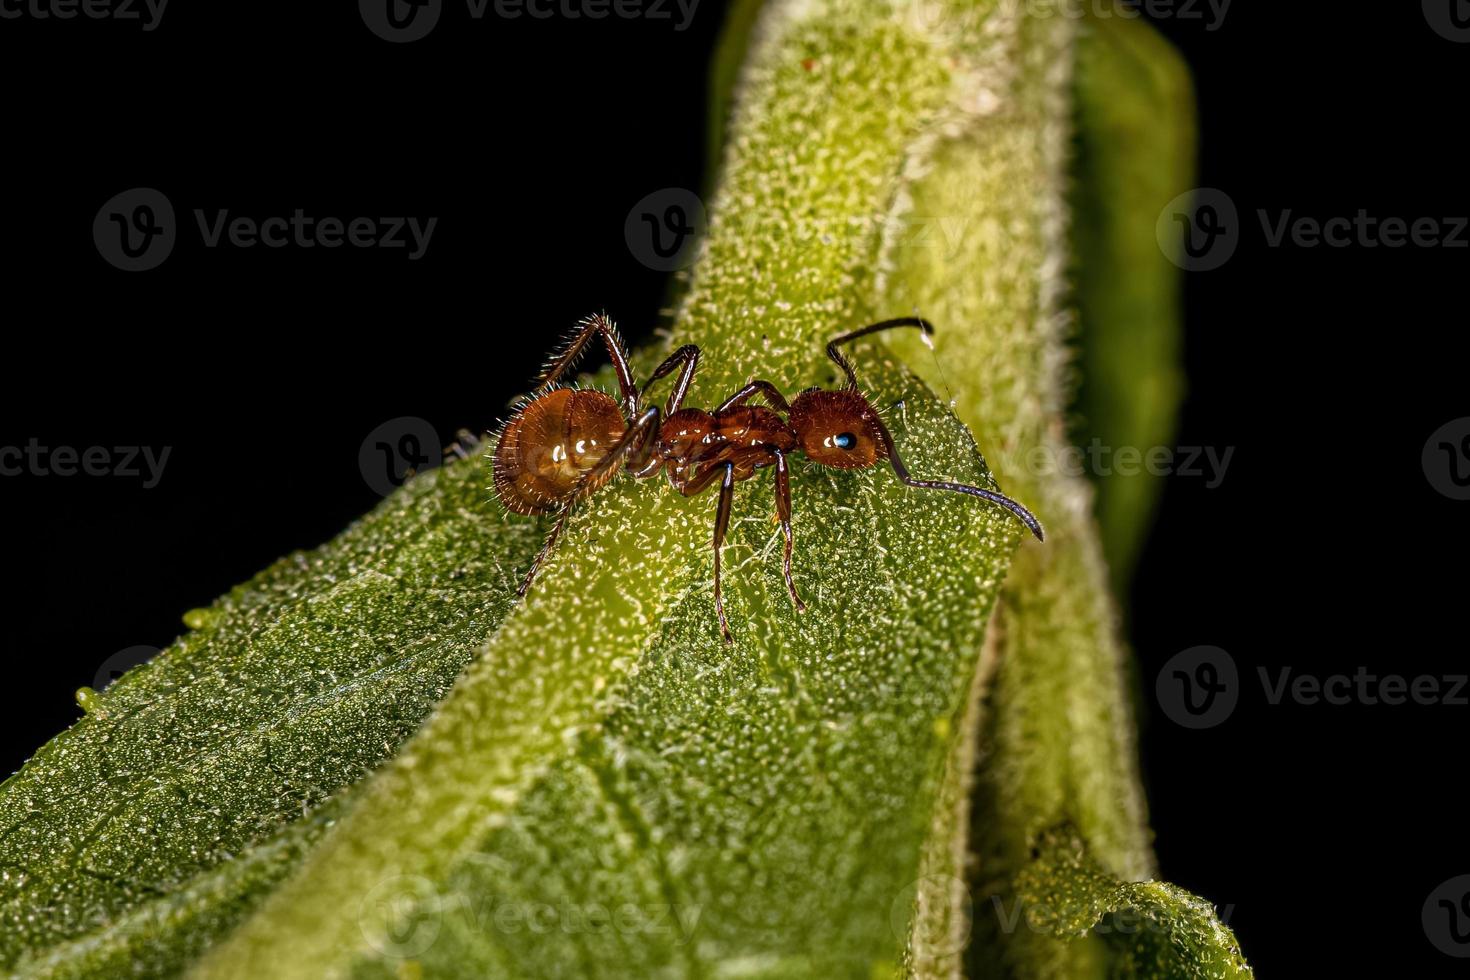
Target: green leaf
<point>1135,153</point>
<point>589,782</point>
<point>1056,729</point>
<point>156,821</point>
<point>766,790</point>
<point>1150,928</point>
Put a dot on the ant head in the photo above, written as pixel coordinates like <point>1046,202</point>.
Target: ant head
<point>838,428</point>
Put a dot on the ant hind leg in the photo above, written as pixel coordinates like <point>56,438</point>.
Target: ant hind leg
<point>591,481</point>
<point>541,555</point>
<point>596,324</point>
<point>635,439</point>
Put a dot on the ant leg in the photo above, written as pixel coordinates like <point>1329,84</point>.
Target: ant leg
<point>773,397</point>
<point>561,522</point>
<point>1022,514</point>
<point>783,512</point>
<point>688,356</point>
<point>598,323</point>
<point>722,520</point>
<point>692,485</point>
<point>464,441</point>
<point>846,365</point>
<point>636,437</point>
<point>644,460</point>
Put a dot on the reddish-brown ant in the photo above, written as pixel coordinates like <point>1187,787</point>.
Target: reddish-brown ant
<point>564,444</point>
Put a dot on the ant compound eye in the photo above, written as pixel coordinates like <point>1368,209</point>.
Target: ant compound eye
<point>845,440</point>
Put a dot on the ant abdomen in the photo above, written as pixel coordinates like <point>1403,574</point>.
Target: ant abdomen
<point>550,444</point>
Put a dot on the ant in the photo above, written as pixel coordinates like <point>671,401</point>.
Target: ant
<point>564,444</point>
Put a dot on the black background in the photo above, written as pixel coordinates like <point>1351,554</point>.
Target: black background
<point>1320,830</point>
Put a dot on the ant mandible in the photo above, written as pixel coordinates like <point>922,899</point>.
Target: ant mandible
<point>564,444</point>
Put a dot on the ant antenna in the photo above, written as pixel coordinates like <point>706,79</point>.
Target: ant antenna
<point>846,365</point>
<point>1022,514</point>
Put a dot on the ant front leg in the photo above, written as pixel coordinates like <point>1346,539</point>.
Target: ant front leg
<point>783,513</point>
